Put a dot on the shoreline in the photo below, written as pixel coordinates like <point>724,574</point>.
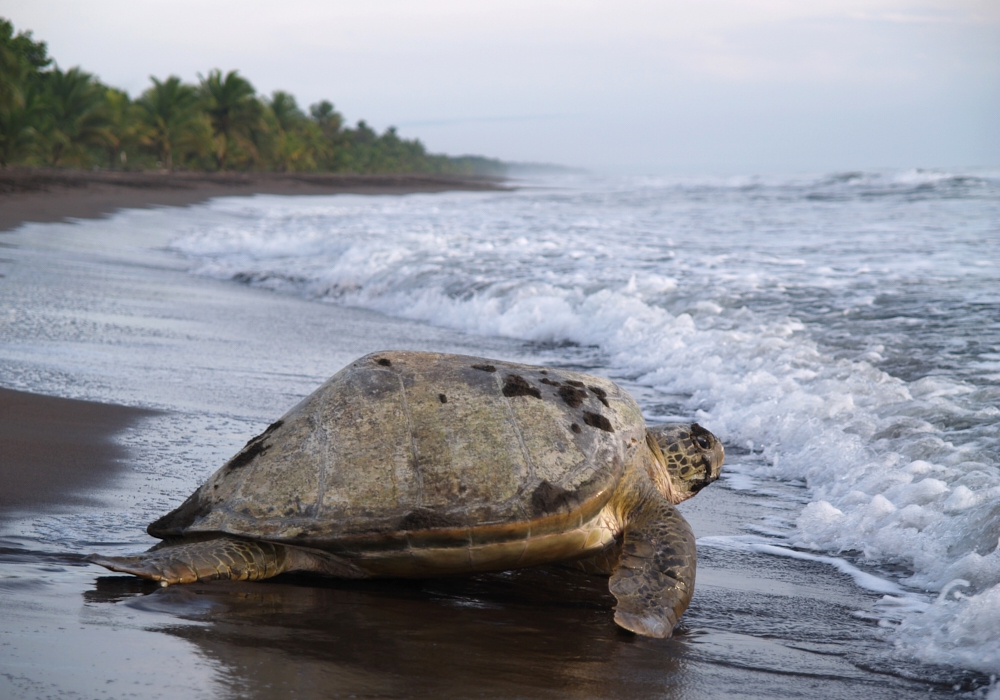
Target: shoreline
<point>43,195</point>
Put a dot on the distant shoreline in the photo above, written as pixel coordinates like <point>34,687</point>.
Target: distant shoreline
<point>49,194</point>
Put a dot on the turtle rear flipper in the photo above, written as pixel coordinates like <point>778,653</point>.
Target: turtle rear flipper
<point>654,580</point>
<point>226,558</point>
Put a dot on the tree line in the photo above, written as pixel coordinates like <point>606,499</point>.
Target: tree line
<point>51,117</point>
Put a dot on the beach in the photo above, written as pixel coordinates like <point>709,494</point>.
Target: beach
<point>42,194</point>
<point>125,380</point>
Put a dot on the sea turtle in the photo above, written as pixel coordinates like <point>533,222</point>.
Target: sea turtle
<point>410,464</point>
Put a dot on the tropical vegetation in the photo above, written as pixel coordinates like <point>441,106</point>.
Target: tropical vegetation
<point>51,117</point>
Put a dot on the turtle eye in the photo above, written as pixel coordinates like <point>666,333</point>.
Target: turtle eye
<point>702,441</point>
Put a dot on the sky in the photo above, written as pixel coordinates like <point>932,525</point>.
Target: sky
<point>630,86</point>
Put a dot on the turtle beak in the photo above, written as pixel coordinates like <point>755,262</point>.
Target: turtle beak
<point>713,465</point>
<point>718,457</point>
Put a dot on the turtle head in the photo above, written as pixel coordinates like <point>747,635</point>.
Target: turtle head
<point>692,455</point>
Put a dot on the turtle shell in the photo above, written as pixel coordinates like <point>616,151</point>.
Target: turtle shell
<point>398,443</point>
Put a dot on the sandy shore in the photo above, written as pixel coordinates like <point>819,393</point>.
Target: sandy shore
<point>43,195</point>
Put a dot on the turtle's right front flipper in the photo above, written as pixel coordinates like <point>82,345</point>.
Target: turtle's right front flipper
<point>654,580</point>
<point>226,558</point>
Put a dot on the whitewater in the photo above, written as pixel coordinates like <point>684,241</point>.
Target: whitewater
<point>840,333</point>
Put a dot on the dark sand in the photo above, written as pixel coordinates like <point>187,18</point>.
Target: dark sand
<point>53,450</point>
<point>759,626</point>
<point>44,195</point>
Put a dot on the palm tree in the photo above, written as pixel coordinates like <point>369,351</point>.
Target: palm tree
<point>233,110</point>
<point>18,135</point>
<point>75,115</point>
<point>170,117</point>
<point>124,116</point>
<point>21,58</point>
<point>286,111</point>
<point>328,119</point>
<point>327,144</point>
<point>292,145</point>
<point>11,68</point>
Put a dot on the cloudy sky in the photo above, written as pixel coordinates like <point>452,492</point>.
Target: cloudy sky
<point>637,86</point>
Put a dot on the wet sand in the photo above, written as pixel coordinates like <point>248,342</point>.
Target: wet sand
<point>44,195</point>
<point>208,364</point>
<point>56,450</point>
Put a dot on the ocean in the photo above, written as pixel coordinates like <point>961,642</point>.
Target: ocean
<point>839,332</point>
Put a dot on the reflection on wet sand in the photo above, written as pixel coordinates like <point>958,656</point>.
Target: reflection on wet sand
<point>539,633</point>
<point>547,630</point>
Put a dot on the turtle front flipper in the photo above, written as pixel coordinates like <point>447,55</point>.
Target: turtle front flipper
<point>654,580</point>
<point>226,558</point>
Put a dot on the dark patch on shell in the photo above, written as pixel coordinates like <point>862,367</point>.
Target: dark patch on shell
<point>573,382</point>
<point>596,420</point>
<point>246,455</point>
<point>485,368</point>
<point>442,398</point>
<point>179,519</point>
<point>546,380</point>
<point>253,448</point>
<point>426,519</point>
<point>601,394</point>
<point>549,498</point>
<point>516,385</point>
<point>384,361</point>
<point>572,396</point>
<point>575,428</point>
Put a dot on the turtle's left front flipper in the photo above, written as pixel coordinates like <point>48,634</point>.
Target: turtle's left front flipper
<point>654,580</point>
<point>226,558</point>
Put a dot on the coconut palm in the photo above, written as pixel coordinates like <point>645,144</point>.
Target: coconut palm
<point>170,117</point>
<point>328,142</point>
<point>124,128</point>
<point>293,137</point>
<point>18,135</point>
<point>234,113</point>
<point>286,111</point>
<point>75,117</point>
<point>21,58</point>
<point>11,68</point>
<point>328,118</point>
